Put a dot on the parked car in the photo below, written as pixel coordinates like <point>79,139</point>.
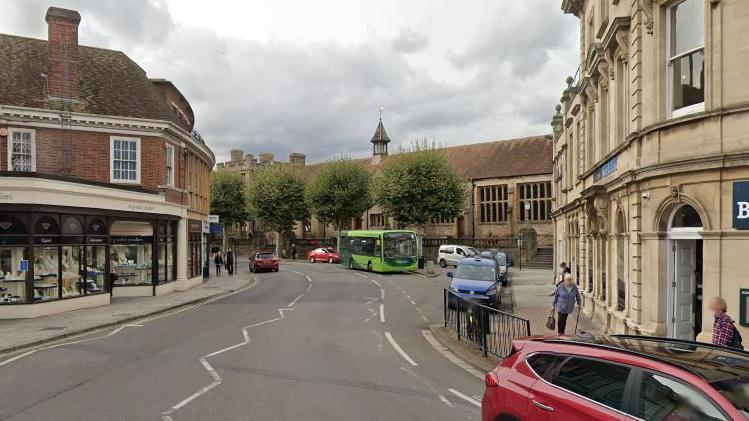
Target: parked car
<point>476,279</point>
<point>264,261</point>
<point>323,254</point>
<point>451,255</point>
<point>502,264</point>
<point>618,378</point>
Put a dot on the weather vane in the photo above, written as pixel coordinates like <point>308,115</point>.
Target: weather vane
<point>381,110</point>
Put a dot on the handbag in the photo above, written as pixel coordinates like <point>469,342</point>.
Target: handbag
<point>551,322</point>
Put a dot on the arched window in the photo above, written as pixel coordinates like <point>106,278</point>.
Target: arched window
<point>72,225</point>
<point>96,226</point>
<point>46,225</point>
<point>10,225</point>
<point>686,217</point>
<point>622,245</point>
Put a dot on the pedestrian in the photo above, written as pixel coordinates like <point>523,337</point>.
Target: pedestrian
<point>218,260</point>
<point>559,277</point>
<point>724,331</point>
<point>230,262</point>
<point>293,251</point>
<point>565,297</point>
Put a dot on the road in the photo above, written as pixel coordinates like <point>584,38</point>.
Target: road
<point>312,342</point>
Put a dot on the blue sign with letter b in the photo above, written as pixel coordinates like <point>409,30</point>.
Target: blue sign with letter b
<point>741,205</point>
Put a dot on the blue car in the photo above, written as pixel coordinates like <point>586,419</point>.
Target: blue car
<point>477,279</point>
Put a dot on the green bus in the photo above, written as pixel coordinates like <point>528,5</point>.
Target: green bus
<point>379,251</point>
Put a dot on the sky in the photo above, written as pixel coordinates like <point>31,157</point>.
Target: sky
<point>308,76</point>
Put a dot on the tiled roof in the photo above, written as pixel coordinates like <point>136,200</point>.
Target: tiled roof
<point>380,135</point>
<point>110,82</point>
<point>496,159</point>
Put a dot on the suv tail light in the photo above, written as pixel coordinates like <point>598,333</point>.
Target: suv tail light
<point>491,379</point>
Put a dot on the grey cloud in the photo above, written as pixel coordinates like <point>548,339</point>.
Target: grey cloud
<point>321,98</point>
<point>409,41</point>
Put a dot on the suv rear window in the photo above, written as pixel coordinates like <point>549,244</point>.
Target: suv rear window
<point>596,380</point>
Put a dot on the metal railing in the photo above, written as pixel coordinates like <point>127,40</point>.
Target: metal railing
<point>490,329</point>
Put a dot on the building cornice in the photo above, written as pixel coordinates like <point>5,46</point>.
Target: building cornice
<point>574,7</point>
<point>93,122</point>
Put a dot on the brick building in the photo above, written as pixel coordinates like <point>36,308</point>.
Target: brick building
<point>104,184</point>
<point>500,177</point>
<point>651,165</point>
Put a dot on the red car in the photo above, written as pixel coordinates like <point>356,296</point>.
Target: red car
<point>264,261</point>
<point>324,255</point>
<point>618,378</point>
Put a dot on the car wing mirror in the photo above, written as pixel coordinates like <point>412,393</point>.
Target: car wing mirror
<point>450,274</point>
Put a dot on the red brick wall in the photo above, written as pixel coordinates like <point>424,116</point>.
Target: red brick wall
<point>88,158</point>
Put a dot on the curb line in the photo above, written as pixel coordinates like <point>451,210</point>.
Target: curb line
<point>254,281</point>
<point>470,361</point>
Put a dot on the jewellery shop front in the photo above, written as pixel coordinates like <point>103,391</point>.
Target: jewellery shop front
<point>55,259</point>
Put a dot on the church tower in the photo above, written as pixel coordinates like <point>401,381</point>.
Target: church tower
<point>380,140</point>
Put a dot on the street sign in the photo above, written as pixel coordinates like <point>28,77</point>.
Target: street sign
<point>213,219</point>
<point>741,205</point>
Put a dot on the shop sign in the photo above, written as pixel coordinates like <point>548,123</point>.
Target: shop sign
<point>14,241</point>
<point>194,225</point>
<point>41,239</point>
<point>6,196</point>
<point>213,219</point>
<point>24,266</point>
<point>217,228</point>
<point>206,227</point>
<point>605,170</point>
<point>131,239</point>
<point>96,240</point>
<point>141,207</point>
<point>741,205</point>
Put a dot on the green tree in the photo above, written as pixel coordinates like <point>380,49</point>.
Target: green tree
<point>340,192</point>
<point>276,197</point>
<point>416,186</point>
<point>228,197</point>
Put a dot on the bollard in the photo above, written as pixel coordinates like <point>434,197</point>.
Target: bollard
<point>430,267</point>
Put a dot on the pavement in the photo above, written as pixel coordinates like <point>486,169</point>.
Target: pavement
<point>21,333</point>
<point>532,298</point>
<point>313,342</point>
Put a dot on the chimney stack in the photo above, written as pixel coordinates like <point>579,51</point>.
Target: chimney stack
<point>62,34</point>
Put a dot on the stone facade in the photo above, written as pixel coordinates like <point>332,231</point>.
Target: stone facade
<point>651,139</point>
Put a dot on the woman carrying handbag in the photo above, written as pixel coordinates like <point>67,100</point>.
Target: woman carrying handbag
<point>565,298</point>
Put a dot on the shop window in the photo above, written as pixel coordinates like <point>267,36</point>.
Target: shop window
<point>46,273</point>
<point>685,36</point>
<point>131,253</point>
<point>538,198</point>
<point>72,269</point>
<point>167,245</point>
<point>195,256</point>
<point>493,203</point>
<point>14,265</point>
<point>125,160</point>
<point>21,150</point>
<point>96,266</point>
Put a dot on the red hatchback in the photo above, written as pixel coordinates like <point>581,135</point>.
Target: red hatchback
<point>264,261</point>
<point>324,255</point>
<point>618,378</point>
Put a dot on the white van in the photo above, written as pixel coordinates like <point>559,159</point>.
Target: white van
<point>451,255</point>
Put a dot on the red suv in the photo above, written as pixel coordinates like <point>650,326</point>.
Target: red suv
<point>618,378</point>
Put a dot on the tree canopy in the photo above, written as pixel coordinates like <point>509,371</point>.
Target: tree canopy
<point>340,192</point>
<point>228,197</point>
<point>276,197</point>
<point>417,186</point>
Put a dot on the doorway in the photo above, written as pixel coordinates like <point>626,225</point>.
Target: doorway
<point>685,274</point>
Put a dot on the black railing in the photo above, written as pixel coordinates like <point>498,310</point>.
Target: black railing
<point>490,329</point>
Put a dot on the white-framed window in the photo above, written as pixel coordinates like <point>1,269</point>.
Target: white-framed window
<point>685,57</point>
<point>169,165</point>
<point>125,160</point>
<point>21,150</point>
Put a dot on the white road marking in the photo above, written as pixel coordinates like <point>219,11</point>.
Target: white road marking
<point>382,313</point>
<point>382,294</point>
<point>424,318</point>
<point>413,302</point>
<point>217,380</point>
<point>361,275</point>
<point>399,349</point>
<point>434,390</point>
<point>465,397</point>
<point>449,355</point>
<point>370,300</point>
<point>291,304</point>
<point>375,282</point>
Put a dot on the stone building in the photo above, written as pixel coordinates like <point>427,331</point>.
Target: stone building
<point>501,177</point>
<point>651,158</point>
<point>104,184</point>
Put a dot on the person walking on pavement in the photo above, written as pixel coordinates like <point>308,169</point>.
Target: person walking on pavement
<point>230,262</point>
<point>724,331</point>
<point>565,298</point>
<point>218,260</point>
<point>559,277</point>
<point>293,251</point>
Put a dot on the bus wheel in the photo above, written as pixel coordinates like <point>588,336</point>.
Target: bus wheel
<point>443,263</point>
<point>369,267</point>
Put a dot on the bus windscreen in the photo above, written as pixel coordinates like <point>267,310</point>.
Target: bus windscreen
<point>399,244</point>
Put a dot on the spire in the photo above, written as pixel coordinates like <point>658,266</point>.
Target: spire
<point>380,139</point>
